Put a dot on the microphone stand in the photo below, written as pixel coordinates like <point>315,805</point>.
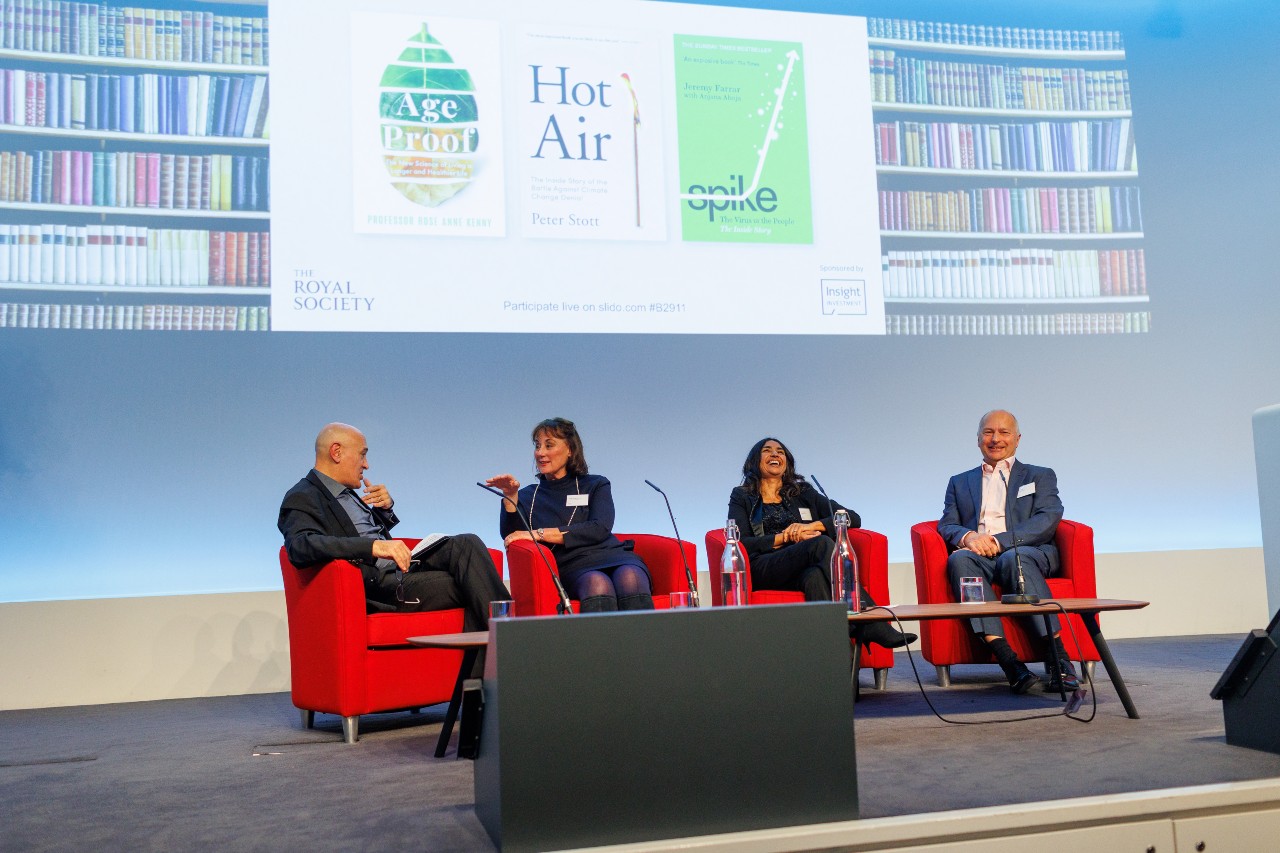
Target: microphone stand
<point>824,494</point>
<point>564,608</point>
<point>688,575</point>
<point>1021,596</point>
<point>856,636</point>
<point>1024,597</point>
<point>857,593</point>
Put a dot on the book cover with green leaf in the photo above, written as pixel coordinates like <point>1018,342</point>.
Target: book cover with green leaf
<point>426,126</point>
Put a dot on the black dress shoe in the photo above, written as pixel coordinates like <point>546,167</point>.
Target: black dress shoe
<point>1021,679</point>
<point>1062,678</point>
<point>884,634</point>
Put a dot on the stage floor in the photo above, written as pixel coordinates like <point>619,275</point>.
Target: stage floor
<point>239,773</point>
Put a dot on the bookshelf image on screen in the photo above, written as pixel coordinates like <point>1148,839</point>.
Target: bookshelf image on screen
<point>134,167</point>
<point>1008,194</point>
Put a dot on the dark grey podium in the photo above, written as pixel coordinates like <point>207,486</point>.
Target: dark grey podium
<point>608,728</point>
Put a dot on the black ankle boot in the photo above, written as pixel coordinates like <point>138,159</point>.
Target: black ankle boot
<point>598,604</point>
<point>884,634</point>
<point>641,601</point>
<point>880,633</point>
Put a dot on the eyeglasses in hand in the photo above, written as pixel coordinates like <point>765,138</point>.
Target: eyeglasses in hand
<point>400,588</point>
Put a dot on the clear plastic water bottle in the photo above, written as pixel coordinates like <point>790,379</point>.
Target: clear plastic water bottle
<point>733,570</point>
<point>844,566</point>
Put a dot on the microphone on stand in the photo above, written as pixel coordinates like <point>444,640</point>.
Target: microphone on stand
<point>1021,596</point>
<point>688,575</point>
<point>824,494</point>
<point>855,594</point>
<point>564,608</point>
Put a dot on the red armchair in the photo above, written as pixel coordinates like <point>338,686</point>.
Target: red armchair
<point>873,570</point>
<point>347,662</point>
<point>944,642</point>
<point>535,593</point>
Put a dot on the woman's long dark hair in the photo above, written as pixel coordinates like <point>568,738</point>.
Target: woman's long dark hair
<point>791,481</point>
<point>564,429</point>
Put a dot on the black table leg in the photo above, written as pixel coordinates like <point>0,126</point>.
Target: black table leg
<point>856,658</point>
<point>451,714</point>
<point>1056,666</point>
<point>1090,620</point>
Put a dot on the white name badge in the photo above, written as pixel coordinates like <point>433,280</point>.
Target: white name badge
<point>1027,489</point>
<point>576,500</point>
<point>805,515</point>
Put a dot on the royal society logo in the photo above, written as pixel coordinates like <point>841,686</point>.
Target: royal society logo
<point>428,122</point>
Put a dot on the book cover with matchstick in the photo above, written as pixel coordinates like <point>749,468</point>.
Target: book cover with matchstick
<point>743,140</point>
<point>590,135</point>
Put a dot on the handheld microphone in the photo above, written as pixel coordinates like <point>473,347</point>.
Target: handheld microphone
<point>1021,596</point>
<point>688,575</point>
<point>564,608</point>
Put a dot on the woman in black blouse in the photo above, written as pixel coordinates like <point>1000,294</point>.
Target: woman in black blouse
<point>571,513</point>
<point>788,532</point>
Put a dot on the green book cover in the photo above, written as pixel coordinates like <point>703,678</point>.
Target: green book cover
<point>743,140</point>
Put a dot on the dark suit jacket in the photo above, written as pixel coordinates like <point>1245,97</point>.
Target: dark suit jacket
<point>1033,517</point>
<point>317,529</point>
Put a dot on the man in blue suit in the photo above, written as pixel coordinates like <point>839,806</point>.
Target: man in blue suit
<point>985,509</point>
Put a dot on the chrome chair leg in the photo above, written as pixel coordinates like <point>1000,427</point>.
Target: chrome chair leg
<point>308,719</point>
<point>882,678</point>
<point>351,729</point>
<point>944,675</point>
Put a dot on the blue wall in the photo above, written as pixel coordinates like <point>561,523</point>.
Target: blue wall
<point>139,463</point>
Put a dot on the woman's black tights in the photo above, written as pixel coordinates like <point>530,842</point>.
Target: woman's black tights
<point>619,588</point>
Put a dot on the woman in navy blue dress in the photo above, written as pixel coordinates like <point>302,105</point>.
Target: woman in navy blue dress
<point>571,513</point>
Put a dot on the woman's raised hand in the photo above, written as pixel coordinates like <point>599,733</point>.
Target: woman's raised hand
<point>508,485</point>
